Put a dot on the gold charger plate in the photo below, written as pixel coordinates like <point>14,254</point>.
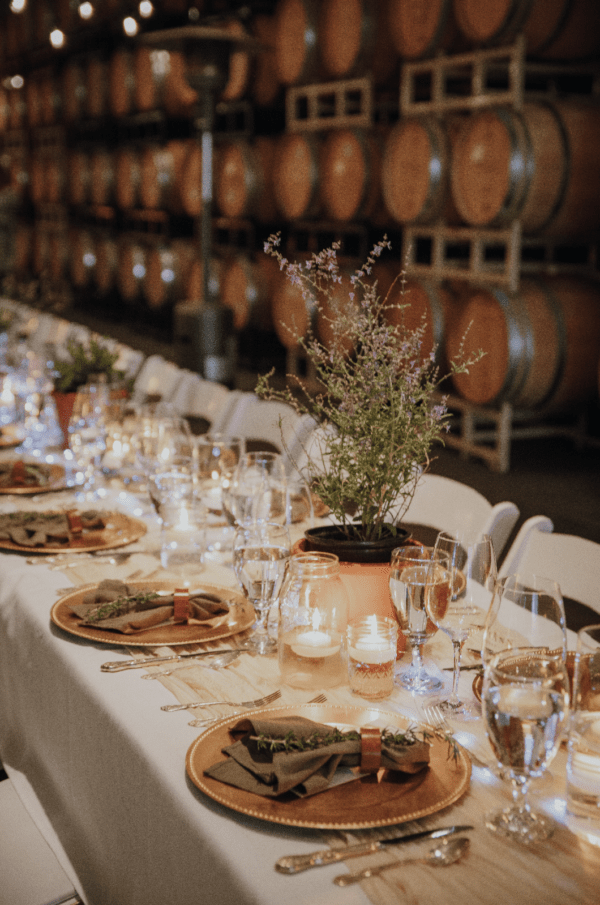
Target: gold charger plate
<point>240,617</point>
<point>120,530</point>
<point>397,798</point>
<point>478,686</point>
<point>56,481</point>
<point>10,436</point>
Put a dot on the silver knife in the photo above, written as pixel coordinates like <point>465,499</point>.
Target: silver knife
<point>293,864</point>
<point>118,665</point>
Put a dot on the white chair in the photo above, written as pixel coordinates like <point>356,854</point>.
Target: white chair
<point>574,562</point>
<point>200,398</point>
<point>448,505</point>
<point>156,377</point>
<point>30,872</point>
<point>268,421</point>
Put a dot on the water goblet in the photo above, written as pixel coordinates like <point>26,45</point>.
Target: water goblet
<point>261,551</point>
<point>87,439</point>
<point>409,574</point>
<point>217,456</point>
<point>525,704</point>
<point>526,611</point>
<point>258,489</point>
<point>470,575</point>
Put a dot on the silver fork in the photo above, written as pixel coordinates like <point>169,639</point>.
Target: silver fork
<point>218,662</point>
<point>259,702</point>
<point>437,720</point>
<point>198,724</point>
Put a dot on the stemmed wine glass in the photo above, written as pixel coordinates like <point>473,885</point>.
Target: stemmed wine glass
<point>409,573</point>
<point>87,437</point>
<point>527,611</point>
<point>260,554</point>
<point>258,489</point>
<point>471,575</point>
<point>525,707</point>
<point>217,456</point>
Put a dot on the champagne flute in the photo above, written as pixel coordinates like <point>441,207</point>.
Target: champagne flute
<point>471,574</point>
<point>409,574</point>
<point>525,707</point>
<point>526,611</point>
<point>260,554</point>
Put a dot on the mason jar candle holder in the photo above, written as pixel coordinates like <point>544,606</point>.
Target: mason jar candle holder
<point>372,656</point>
<point>313,616</point>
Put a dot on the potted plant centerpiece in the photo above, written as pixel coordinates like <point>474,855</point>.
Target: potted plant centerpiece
<point>376,414</point>
<point>85,363</point>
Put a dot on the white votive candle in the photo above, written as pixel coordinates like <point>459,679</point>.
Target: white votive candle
<point>314,643</point>
<point>378,650</point>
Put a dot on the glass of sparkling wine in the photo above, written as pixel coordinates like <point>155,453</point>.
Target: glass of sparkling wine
<point>583,764</point>
<point>260,554</point>
<point>525,708</point>
<point>470,575</point>
<point>409,574</point>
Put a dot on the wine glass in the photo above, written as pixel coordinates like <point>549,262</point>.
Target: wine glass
<point>87,438</point>
<point>471,574</point>
<point>217,456</point>
<point>525,704</point>
<point>409,574</point>
<point>260,554</point>
<point>258,489</point>
<point>159,439</point>
<point>299,503</point>
<point>526,611</point>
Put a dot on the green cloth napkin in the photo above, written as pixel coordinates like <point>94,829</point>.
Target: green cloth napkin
<point>307,772</point>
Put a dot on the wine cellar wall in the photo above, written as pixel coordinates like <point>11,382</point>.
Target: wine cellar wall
<point>466,132</point>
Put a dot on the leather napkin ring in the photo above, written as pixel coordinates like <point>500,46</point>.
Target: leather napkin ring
<point>370,750</point>
<point>181,604</point>
<point>74,521</point>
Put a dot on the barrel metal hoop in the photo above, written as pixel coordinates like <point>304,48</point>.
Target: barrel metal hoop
<point>561,330</point>
<point>521,168</point>
<point>520,345</point>
<point>564,137</point>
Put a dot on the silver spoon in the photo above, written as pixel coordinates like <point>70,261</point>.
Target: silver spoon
<point>441,855</point>
<point>220,661</point>
<point>61,561</point>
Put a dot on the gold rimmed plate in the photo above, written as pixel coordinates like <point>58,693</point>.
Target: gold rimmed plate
<point>240,617</point>
<point>10,436</point>
<point>372,801</point>
<point>120,530</point>
<point>56,481</point>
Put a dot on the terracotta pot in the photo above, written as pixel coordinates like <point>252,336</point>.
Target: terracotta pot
<point>64,409</point>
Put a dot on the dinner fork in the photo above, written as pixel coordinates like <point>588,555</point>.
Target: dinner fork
<point>437,720</point>
<point>259,702</point>
<point>199,724</point>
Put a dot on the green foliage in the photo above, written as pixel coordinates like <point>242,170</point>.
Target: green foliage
<point>83,362</point>
<point>378,419</point>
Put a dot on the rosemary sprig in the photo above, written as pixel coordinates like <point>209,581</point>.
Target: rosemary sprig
<point>119,606</point>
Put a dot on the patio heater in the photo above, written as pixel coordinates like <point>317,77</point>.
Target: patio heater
<point>207,51</point>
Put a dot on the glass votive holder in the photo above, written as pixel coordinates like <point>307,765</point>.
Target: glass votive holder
<point>372,657</point>
<point>183,536</point>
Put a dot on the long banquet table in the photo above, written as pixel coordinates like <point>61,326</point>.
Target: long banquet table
<point>102,770</point>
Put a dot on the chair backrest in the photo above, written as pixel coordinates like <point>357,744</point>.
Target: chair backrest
<point>259,420</point>
<point>449,505</point>
<point>574,562</point>
<point>200,398</point>
<point>157,376</point>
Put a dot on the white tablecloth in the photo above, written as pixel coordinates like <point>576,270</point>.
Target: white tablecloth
<point>102,770</point>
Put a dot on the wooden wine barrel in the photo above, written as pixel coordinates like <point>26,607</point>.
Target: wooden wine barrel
<point>420,29</point>
<point>538,165</point>
<point>107,262</point>
<point>542,344</point>
<point>160,175</point>
<point>265,86</point>
<point>73,90</point>
<point>128,176</point>
<point>56,179</point>
<point>553,29</point>
<point>296,41</point>
<point>194,286</point>
<point>121,83</point>
<point>102,177</point>
<point>37,177</point>
<point>83,258</point>
<point>355,40</point>
<point>296,177</point>
<point>40,251</point>
<point>33,100</point>
<point>293,316</point>
<point>16,108</point>
<point>4,109</point>
<point>79,176</point>
<point>190,179</point>
<point>96,81</point>
<point>43,22</point>
<point>167,274</point>
<point>416,170</point>
<point>160,82</point>
<point>244,179</point>
<point>245,292</point>
<point>131,270</point>
<point>22,248</point>
<point>59,255</point>
<point>350,175</point>
<point>332,308</point>
<point>51,99</point>
<point>239,65</point>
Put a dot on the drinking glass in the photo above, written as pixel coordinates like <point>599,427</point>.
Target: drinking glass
<point>583,764</point>
<point>87,438</point>
<point>217,456</point>
<point>525,707</point>
<point>409,574</point>
<point>260,554</point>
<point>258,490</point>
<point>299,503</point>
<point>159,439</point>
<point>526,611</point>
<point>471,575</point>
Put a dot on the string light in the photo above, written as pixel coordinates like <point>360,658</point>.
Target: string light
<point>130,26</point>
<point>146,9</point>
<point>57,38</point>
<point>86,10</point>
<point>18,6</point>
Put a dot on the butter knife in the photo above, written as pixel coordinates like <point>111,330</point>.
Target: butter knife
<point>293,864</point>
<point>118,665</point>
